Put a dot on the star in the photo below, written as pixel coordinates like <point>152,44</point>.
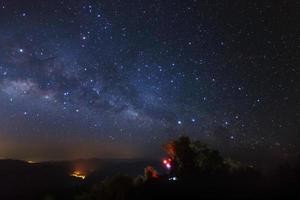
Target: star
<point>99,74</point>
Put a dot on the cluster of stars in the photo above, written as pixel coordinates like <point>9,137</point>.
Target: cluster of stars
<point>161,70</point>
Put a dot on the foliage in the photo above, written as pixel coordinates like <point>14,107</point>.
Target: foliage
<point>192,158</point>
<point>150,172</point>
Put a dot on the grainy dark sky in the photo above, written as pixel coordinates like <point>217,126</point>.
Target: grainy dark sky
<point>118,78</point>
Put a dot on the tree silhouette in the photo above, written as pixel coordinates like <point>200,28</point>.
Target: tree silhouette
<point>190,159</point>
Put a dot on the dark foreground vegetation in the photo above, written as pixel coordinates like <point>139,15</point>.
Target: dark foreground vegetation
<point>192,170</point>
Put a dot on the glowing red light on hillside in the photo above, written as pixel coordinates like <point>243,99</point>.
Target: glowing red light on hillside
<point>167,163</point>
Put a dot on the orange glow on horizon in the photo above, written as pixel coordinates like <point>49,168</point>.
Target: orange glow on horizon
<point>78,174</point>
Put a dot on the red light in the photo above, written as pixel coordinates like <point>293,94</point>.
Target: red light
<point>167,163</point>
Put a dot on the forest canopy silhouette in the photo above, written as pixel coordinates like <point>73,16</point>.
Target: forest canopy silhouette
<point>189,169</point>
<point>192,169</point>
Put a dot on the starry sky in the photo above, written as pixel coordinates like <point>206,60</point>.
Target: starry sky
<point>117,78</point>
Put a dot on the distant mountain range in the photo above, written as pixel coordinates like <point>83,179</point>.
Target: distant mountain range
<point>28,180</point>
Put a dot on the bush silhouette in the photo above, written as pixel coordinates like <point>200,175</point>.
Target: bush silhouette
<point>150,173</point>
<point>119,187</point>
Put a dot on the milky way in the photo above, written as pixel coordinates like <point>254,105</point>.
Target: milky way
<point>118,78</point>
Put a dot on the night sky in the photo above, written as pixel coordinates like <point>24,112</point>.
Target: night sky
<point>117,78</point>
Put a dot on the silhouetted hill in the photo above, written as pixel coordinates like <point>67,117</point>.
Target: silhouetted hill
<point>23,180</point>
<point>105,177</point>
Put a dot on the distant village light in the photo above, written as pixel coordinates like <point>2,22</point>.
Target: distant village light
<point>173,178</point>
